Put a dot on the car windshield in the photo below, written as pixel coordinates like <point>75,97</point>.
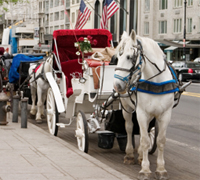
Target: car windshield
<point>193,65</point>
<point>178,64</point>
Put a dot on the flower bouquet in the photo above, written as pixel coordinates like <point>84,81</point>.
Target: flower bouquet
<point>84,45</point>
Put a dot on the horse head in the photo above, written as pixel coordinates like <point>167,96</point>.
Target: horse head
<point>128,54</point>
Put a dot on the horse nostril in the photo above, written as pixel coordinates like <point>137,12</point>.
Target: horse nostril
<point>128,56</point>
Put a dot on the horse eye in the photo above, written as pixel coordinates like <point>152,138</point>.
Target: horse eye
<point>120,52</point>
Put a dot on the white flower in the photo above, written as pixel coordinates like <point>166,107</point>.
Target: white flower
<point>78,53</point>
<point>76,44</point>
<point>85,39</point>
<point>85,51</point>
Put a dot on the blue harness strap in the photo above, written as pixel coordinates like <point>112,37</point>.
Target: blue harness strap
<point>156,88</point>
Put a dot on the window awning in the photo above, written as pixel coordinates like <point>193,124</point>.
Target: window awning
<point>170,48</point>
<point>178,43</point>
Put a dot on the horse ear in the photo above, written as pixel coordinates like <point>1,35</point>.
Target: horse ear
<point>125,34</point>
<point>133,35</point>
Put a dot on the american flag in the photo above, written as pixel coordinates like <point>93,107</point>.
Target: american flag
<point>109,8</point>
<point>83,15</point>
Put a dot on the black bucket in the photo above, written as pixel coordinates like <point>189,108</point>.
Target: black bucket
<point>122,141</point>
<point>106,140</point>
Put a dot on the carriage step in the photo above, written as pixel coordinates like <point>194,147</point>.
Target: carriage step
<point>62,125</point>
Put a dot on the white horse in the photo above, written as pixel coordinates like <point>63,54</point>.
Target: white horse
<point>141,67</point>
<point>39,85</point>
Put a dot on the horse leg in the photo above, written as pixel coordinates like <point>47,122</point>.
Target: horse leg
<point>33,106</point>
<point>129,157</point>
<point>163,122</point>
<point>44,95</point>
<point>39,105</point>
<point>145,172</point>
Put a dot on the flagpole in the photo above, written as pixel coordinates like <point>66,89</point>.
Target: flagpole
<point>93,9</point>
<point>121,7</point>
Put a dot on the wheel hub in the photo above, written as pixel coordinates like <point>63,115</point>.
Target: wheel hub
<point>79,133</point>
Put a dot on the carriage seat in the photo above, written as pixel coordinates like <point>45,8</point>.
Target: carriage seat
<point>69,67</point>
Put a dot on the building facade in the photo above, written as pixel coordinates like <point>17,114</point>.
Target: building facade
<point>163,21</point>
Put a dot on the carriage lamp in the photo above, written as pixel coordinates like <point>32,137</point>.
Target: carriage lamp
<point>4,108</point>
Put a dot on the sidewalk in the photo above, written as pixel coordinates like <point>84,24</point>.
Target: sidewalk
<point>33,154</point>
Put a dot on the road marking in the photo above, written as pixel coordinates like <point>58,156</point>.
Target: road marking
<point>183,144</point>
<point>191,94</point>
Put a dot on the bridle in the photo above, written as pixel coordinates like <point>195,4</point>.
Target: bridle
<point>135,68</point>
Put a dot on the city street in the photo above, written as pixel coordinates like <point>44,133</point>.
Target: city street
<point>182,147</point>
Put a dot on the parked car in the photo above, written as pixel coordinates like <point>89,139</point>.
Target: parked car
<point>187,70</point>
<point>197,59</point>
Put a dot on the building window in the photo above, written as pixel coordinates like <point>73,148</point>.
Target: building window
<point>62,15</point>
<point>133,15</point>
<point>51,17</point>
<point>47,30</point>
<point>96,15</point>
<point>73,17</point>
<point>178,3</point>
<point>146,28</point>
<point>56,16</point>
<point>56,28</point>
<point>147,5</point>
<point>162,27</point>
<point>51,4</point>
<point>47,6</point>
<point>67,26</point>
<point>62,27</point>
<point>51,30</point>
<point>77,1</point>
<point>40,6</point>
<point>67,19</point>
<point>189,25</point>
<point>73,1</point>
<point>123,17</point>
<point>190,2</point>
<point>67,4</point>
<point>177,25</point>
<point>162,4</point>
<point>56,3</point>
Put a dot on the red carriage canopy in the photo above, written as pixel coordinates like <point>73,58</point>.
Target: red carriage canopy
<point>66,38</point>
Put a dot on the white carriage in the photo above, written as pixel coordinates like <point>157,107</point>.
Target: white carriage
<point>81,88</point>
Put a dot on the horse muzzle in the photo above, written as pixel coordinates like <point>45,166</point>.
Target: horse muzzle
<point>120,87</point>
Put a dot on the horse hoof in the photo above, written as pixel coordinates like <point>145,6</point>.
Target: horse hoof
<point>129,160</point>
<point>144,176</point>
<point>161,175</point>
<point>38,121</point>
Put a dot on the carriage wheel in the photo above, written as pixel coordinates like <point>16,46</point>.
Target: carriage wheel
<point>81,132</point>
<point>52,113</point>
<point>153,133</point>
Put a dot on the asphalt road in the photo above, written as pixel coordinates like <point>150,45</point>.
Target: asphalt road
<point>182,150</point>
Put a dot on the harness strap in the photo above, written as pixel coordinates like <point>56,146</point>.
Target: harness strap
<point>157,88</point>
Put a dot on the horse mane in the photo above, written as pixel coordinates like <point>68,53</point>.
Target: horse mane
<point>151,49</point>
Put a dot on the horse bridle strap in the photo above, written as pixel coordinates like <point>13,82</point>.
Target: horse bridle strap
<point>123,69</point>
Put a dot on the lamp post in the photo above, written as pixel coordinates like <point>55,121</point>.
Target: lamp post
<point>184,31</point>
<point>40,19</point>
